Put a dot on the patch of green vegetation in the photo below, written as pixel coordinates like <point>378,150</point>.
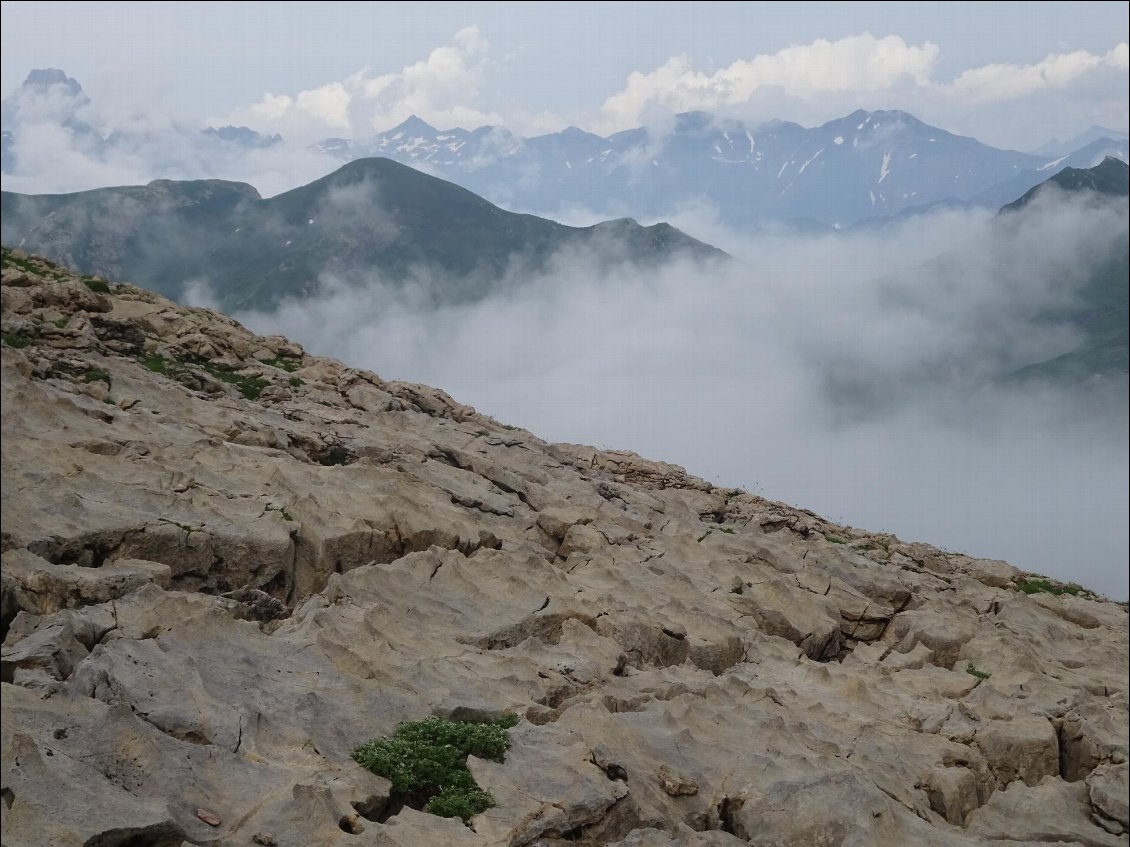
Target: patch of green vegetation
<point>427,763</point>
<point>973,671</point>
<point>249,386</point>
<point>60,322</point>
<point>82,372</point>
<point>283,513</point>
<point>834,539</point>
<point>283,363</point>
<point>156,363</point>
<point>98,286</point>
<point>704,536</point>
<point>295,382</point>
<point>9,259</point>
<point>1043,585</point>
<point>729,530</point>
<point>97,375</point>
<point>17,339</point>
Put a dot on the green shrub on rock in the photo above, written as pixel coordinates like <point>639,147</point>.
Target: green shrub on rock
<point>427,763</point>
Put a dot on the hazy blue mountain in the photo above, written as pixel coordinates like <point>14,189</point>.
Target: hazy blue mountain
<point>242,136</point>
<point>868,164</point>
<point>1103,310</point>
<point>1088,136</point>
<point>372,216</point>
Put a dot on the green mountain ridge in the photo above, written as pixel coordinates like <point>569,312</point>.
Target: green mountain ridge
<point>1103,310</point>
<point>370,217</point>
<point>1111,177</point>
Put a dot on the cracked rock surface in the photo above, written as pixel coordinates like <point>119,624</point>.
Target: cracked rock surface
<point>227,563</point>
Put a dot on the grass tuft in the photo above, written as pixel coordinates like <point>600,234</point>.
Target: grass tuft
<point>973,671</point>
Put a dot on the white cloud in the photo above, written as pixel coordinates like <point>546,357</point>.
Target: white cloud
<point>328,104</point>
<point>442,88</point>
<point>858,63</point>
<point>1119,57</point>
<point>826,79</point>
<point>1059,70</point>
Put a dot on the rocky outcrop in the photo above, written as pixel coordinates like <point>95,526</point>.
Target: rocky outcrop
<point>227,563</point>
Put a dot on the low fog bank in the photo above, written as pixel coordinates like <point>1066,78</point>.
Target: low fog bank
<point>853,375</point>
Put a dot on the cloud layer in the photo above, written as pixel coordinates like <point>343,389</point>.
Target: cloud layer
<point>847,374</point>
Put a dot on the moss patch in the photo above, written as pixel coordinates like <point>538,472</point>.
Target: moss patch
<point>98,286</point>
<point>16,339</point>
<point>1043,585</point>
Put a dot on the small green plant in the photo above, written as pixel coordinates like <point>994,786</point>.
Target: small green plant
<point>834,539</point>
<point>295,382</point>
<point>427,763</point>
<point>729,530</point>
<point>16,339</point>
<point>972,670</point>
<point>283,513</point>
<point>60,322</point>
<point>98,286</point>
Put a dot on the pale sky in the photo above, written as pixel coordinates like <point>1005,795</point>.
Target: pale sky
<point>1011,74</point>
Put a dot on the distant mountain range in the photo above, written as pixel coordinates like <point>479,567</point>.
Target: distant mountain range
<point>372,217</point>
<point>1088,136</point>
<point>866,165</point>
<point>862,167</point>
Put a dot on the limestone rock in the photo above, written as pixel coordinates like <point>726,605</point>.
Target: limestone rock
<point>1024,748</point>
<point>674,784</point>
<point>1107,788</point>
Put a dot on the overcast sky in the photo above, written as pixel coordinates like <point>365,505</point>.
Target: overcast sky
<point>1011,74</point>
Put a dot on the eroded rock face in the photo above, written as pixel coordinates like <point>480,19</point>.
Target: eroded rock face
<point>227,563</point>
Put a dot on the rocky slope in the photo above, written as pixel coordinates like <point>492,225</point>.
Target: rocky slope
<point>227,563</point>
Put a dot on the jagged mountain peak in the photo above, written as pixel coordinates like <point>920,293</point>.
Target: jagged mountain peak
<point>412,126</point>
<point>43,78</point>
